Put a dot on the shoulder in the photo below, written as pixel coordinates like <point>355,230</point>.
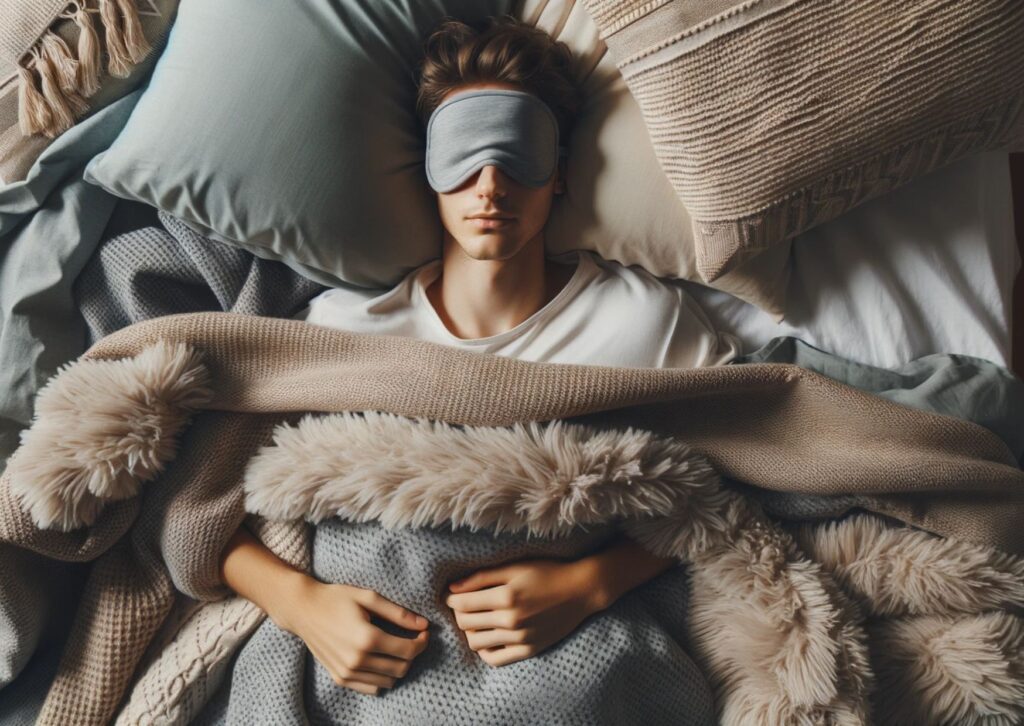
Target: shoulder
<point>630,284</point>
<point>640,307</point>
<point>350,304</point>
<point>346,296</point>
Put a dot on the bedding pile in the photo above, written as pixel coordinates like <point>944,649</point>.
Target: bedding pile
<point>848,538</point>
<point>147,453</point>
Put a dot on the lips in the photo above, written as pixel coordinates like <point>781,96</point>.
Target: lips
<point>491,222</point>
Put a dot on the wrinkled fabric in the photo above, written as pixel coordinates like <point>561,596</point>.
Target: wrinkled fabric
<point>50,224</point>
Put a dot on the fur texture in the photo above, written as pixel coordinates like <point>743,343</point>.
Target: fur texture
<point>777,620</point>
<point>899,571</point>
<point>966,670</point>
<point>102,427</point>
<point>781,634</point>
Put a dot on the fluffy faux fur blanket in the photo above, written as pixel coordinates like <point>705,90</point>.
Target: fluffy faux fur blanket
<point>833,623</point>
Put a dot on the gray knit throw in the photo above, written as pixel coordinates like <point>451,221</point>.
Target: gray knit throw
<point>627,666</point>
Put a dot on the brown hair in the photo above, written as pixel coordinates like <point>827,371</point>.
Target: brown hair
<point>498,49</point>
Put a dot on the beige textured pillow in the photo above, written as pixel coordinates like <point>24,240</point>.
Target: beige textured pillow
<point>619,202</point>
<point>771,117</point>
<point>61,60</point>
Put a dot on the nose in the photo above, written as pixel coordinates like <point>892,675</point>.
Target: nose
<point>490,183</point>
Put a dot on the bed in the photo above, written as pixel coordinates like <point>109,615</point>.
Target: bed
<point>149,258</point>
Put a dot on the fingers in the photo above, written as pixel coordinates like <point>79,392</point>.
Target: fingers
<point>486,619</point>
<point>480,578</point>
<point>367,678</point>
<point>385,665</point>
<point>388,610</point>
<point>393,645</point>
<point>366,671</point>
<point>503,655</point>
<point>491,598</point>
<point>480,639</point>
<point>357,686</point>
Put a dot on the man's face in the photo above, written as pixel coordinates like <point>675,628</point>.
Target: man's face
<point>491,216</point>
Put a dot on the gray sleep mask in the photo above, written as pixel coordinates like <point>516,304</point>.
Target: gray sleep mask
<point>512,130</point>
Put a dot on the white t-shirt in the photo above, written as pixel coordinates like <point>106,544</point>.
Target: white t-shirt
<point>607,314</point>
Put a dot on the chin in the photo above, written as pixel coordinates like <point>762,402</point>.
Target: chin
<point>490,247</point>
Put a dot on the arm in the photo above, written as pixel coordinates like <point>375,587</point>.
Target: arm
<point>333,620</point>
<point>261,577</point>
<point>620,567</point>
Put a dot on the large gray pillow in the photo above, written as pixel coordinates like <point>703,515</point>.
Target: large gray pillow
<point>289,128</point>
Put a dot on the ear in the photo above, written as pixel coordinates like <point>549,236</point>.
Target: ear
<point>560,175</point>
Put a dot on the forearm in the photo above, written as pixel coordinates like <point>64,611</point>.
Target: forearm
<point>249,568</point>
<point>621,566</point>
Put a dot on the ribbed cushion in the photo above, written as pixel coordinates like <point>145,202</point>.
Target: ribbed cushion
<point>619,202</point>
<point>773,116</point>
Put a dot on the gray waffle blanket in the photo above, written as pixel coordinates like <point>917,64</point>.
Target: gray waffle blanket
<point>626,665</point>
<point>152,264</point>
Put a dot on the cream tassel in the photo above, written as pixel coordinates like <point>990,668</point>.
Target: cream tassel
<point>64,80</point>
<point>33,113</point>
<point>57,53</point>
<point>56,50</point>
<point>119,63</point>
<point>134,39</point>
<point>89,58</point>
<point>62,117</point>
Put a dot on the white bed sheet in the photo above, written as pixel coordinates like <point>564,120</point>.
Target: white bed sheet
<point>928,268</point>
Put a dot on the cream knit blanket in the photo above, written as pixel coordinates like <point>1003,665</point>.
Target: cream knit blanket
<point>112,421</point>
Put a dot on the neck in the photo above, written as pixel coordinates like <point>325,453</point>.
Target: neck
<point>480,298</point>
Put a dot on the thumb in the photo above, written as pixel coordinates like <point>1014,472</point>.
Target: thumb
<point>379,605</point>
<point>480,579</point>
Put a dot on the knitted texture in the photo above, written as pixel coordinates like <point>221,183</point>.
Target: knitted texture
<point>774,426</point>
<point>626,666</point>
<point>773,116</point>
<point>166,268</point>
<point>62,60</point>
<point>132,586</point>
<point>188,659</point>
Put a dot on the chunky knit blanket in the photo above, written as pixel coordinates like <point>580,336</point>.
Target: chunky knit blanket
<point>150,451</point>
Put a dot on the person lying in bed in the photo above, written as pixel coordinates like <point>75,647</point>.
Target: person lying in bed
<point>498,102</point>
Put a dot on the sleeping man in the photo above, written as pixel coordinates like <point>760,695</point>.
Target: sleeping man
<point>497,102</point>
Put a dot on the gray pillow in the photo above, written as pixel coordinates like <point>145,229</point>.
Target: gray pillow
<point>288,128</point>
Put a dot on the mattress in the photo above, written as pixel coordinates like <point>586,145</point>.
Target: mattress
<point>926,269</point>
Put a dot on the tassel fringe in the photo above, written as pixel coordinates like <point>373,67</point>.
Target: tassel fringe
<point>134,39</point>
<point>88,53</point>
<point>54,95</point>
<point>119,64</point>
<point>33,112</point>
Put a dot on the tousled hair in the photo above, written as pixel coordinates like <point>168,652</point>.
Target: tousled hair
<point>498,49</point>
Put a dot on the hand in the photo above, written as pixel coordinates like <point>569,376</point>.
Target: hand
<point>334,622</point>
<point>518,610</point>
